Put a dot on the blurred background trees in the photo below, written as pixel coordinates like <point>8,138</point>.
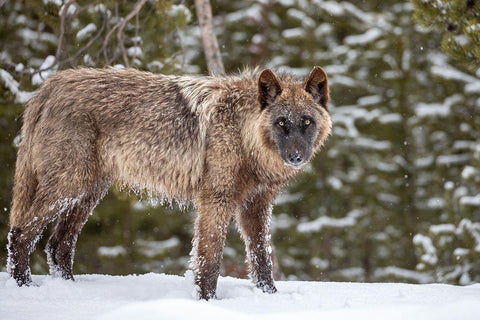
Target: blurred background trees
<point>395,195</point>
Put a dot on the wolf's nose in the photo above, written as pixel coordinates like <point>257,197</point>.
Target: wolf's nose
<point>295,157</point>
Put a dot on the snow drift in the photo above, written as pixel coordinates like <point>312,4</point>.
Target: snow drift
<point>160,296</point>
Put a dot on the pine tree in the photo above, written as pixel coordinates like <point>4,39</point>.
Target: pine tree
<point>459,22</point>
<point>449,248</point>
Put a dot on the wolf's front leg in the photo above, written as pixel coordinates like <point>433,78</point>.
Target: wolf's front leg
<point>211,226</point>
<point>254,224</point>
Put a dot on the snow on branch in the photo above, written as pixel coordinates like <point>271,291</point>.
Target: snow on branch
<point>14,87</point>
<point>471,201</point>
<point>363,39</point>
<point>328,222</point>
<point>442,69</point>
<point>403,274</point>
<point>466,226</point>
<point>429,255</point>
<point>47,68</point>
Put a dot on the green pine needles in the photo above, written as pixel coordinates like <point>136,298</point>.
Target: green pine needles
<point>459,21</point>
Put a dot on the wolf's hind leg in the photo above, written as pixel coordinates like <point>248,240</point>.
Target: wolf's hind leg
<point>61,244</point>
<point>25,231</point>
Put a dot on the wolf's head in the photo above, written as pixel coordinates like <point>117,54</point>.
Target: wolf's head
<point>295,115</point>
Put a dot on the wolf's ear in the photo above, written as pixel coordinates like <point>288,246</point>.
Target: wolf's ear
<point>268,88</point>
<point>317,85</point>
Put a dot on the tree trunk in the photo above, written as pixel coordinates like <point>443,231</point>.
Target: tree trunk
<point>209,40</point>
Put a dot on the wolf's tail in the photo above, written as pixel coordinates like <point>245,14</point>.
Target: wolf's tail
<point>25,181</point>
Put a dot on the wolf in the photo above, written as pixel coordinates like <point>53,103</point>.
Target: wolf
<point>227,144</point>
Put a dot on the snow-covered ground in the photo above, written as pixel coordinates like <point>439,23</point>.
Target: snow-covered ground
<point>159,296</point>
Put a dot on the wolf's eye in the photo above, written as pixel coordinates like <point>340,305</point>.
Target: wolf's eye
<point>281,123</point>
<point>307,122</point>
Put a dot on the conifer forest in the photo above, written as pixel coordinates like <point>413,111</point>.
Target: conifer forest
<point>394,195</point>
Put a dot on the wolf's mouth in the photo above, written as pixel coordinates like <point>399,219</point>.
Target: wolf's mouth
<point>296,166</point>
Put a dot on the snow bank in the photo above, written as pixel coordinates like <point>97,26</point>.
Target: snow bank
<point>159,296</point>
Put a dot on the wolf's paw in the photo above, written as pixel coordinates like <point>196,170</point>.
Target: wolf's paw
<point>266,286</point>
